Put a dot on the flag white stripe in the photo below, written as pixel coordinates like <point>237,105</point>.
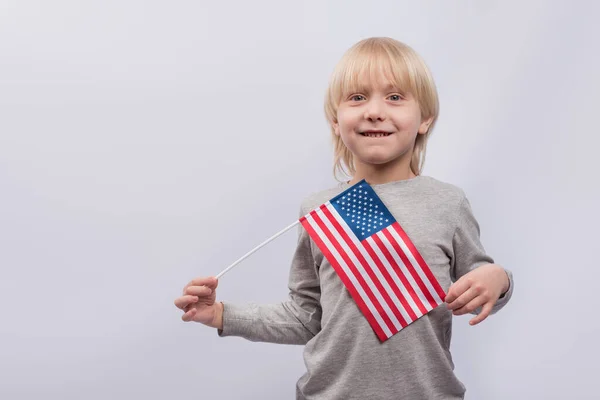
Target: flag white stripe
<point>405,271</point>
<point>350,275</point>
<point>374,266</point>
<point>360,268</point>
<point>417,266</point>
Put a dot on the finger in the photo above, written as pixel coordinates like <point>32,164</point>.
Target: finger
<point>463,299</point>
<point>183,301</point>
<point>188,316</point>
<point>209,281</point>
<point>458,288</point>
<point>485,312</point>
<point>470,306</point>
<point>198,291</point>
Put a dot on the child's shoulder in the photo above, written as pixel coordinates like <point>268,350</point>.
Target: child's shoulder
<point>446,190</point>
<point>315,199</point>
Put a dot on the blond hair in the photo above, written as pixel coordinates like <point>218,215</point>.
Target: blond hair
<point>372,59</point>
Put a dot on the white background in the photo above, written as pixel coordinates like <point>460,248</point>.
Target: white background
<point>143,143</point>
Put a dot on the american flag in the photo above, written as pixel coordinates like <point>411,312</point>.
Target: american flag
<point>387,277</point>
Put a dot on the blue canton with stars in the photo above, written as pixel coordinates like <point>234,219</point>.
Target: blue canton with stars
<point>362,210</point>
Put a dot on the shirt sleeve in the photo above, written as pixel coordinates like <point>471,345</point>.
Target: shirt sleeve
<point>469,253</point>
<point>294,321</point>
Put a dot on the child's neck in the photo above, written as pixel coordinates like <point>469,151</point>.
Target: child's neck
<point>378,174</point>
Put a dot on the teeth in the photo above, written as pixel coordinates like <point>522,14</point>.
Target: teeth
<point>376,135</point>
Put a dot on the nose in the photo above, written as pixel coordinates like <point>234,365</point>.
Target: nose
<point>374,111</point>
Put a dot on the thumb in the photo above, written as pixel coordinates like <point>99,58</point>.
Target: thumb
<point>212,283</point>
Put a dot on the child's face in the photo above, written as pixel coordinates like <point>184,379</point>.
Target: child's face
<point>379,125</point>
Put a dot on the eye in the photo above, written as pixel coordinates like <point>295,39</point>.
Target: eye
<point>357,97</point>
<point>395,97</point>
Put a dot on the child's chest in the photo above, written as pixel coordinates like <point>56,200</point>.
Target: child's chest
<point>421,234</point>
<point>390,260</point>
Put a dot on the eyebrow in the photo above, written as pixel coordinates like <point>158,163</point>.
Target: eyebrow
<point>367,88</point>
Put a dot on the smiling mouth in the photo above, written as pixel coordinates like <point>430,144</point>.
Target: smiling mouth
<point>375,134</point>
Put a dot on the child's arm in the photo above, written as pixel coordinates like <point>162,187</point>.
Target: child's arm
<point>481,287</point>
<point>294,321</point>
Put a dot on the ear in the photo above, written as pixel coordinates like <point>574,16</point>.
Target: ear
<point>336,128</point>
<point>424,127</point>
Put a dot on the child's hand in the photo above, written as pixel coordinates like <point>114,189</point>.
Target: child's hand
<point>479,288</point>
<point>198,302</point>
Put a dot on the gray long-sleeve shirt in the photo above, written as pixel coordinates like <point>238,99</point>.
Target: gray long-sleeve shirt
<point>343,356</point>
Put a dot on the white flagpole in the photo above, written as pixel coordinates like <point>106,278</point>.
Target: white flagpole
<point>257,247</point>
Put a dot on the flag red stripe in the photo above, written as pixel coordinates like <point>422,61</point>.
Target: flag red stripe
<point>424,267</point>
<point>366,266</point>
<point>400,275</point>
<point>410,267</point>
<point>347,283</point>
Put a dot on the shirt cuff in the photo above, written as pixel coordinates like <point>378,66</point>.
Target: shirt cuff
<point>237,320</point>
<point>505,297</point>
